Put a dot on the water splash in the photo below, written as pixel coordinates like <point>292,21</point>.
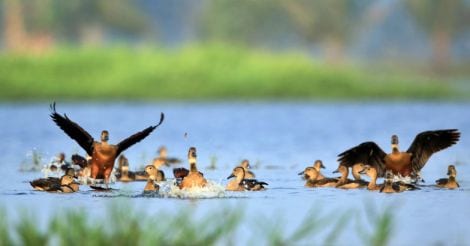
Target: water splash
<point>211,190</point>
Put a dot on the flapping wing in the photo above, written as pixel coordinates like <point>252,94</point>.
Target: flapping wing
<point>73,130</point>
<point>128,142</point>
<point>367,153</point>
<point>428,143</point>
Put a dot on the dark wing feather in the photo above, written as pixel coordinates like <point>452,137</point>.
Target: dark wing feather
<point>128,142</point>
<point>427,143</point>
<point>368,153</point>
<point>73,130</point>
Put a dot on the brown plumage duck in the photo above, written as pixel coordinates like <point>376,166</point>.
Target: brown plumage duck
<point>450,182</point>
<point>103,154</point>
<point>242,184</point>
<point>154,175</point>
<point>310,174</point>
<point>406,164</point>
<point>64,184</point>
<point>194,177</point>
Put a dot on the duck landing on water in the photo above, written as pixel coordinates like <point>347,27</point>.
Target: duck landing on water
<point>405,164</point>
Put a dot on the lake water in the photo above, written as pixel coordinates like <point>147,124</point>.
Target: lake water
<point>280,138</point>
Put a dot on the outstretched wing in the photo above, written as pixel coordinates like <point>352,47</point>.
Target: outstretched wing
<point>428,143</point>
<point>73,130</point>
<point>367,153</point>
<point>128,142</point>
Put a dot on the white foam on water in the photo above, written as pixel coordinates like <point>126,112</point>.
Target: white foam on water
<point>211,190</point>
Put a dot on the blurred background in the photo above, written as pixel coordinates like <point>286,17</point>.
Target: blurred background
<point>234,50</point>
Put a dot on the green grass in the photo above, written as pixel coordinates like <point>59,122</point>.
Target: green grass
<point>212,72</point>
<point>123,225</point>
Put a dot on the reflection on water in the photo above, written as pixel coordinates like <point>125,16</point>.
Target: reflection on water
<point>282,138</point>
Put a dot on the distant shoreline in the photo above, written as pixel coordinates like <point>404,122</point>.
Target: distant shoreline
<point>204,73</point>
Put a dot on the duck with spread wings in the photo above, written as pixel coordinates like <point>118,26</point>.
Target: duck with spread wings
<point>405,164</point>
<point>103,154</point>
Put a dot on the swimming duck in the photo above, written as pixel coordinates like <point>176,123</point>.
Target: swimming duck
<point>154,175</point>
<point>450,182</point>
<point>389,186</point>
<point>194,177</point>
<point>64,184</point>
<point>245,164</point>
<point>103,154</point>
<point>163,155</point>
<point>407,163</point>
<point>242,184</point>
<point>310,174</point>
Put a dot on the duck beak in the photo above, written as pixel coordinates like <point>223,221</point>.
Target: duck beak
<point>336,171</point>
<point>231,176</point>
<point>301,173</point>
<point>363,171</point>
<point>448,172</point>
<point>321,166</point>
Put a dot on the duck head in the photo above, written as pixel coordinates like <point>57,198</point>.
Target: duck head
<point>309,173</point>
<point>318,164</point>
<point>151,172</point>
<point>245,164</point>
<point>451,171</point>
<point>369,171</point>
<point>104,136</point>
<point>237,172</point>
<point>66,180</point>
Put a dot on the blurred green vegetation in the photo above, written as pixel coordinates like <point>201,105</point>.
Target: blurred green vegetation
<point>123,225</point>
<point>205,72</point>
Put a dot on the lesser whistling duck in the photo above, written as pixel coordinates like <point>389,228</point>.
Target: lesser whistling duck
<point>163,155</point>
<point>407,163</point>
<point>450,182</point>
<point>310,175</point>
<point>242,184</point>
<point>154,173</point>
<point>389,186</point>
<point>245,164</point>
<point>103,154</point>
<point>64,184</point>
<point>194,177</point>
<point>153,176</point>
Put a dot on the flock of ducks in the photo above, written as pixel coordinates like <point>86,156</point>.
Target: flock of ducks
<point>400,170</point>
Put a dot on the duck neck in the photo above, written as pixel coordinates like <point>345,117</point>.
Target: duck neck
<point>344,175</point>
<point>355,172</point>
<point>373,182</point>
<point>395,149</point>
<point>192,167</point>
<point>240,177</point>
